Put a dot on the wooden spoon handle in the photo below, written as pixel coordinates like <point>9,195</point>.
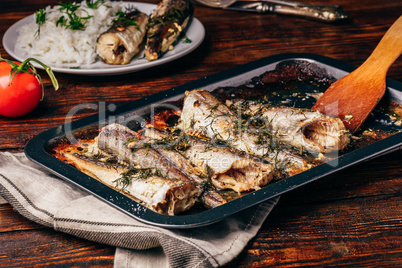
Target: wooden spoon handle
<point>387,51</point>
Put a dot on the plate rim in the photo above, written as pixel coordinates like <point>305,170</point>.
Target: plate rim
<point>196,25</point>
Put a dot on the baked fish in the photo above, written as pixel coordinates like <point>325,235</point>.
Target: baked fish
<point>122,41</point>
<point>158,193</point>
<point>203,113</point>
<point>127,146</point>
<point>131,148</point>
<point>226,167</point>
<point>166,24</point>
<point>303,129</point>
<point>167,148</point>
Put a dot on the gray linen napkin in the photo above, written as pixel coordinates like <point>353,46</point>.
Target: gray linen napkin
<point>2,201</point>
<point>44,198</point>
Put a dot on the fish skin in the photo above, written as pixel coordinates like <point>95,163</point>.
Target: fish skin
<point>166,24</point>
<point>160,194</point>
<point>209,197</point>
<point>113,140</point>
<point>303,129</point>
<point>227,168</point>
<point>230,170</point>
<point>120,43</point>
<point>203,113</point>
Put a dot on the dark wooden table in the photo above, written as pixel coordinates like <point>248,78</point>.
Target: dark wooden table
<point>351,218</point>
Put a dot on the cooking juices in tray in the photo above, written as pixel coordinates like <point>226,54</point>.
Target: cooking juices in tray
<point>212,147</point>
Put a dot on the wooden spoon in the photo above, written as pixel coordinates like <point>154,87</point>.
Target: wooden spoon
<point>353,97</point>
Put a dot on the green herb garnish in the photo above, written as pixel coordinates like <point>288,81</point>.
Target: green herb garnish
<point>135,173</point>
<point>125,18</point>
<point>40,16</point>
<point>73,21</point>
<point>68,7</point>
<point>187,40</point>
<point>61,21</point>
<point>96,4</point>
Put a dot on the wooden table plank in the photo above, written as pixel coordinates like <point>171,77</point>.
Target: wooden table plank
<point>346,219</point>
<point>44,247</point>
<point>350,218</point>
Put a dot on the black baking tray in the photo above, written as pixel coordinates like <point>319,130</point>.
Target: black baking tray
<point>36,149</point>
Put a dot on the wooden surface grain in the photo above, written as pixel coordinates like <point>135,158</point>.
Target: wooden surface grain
<point>350,218</point>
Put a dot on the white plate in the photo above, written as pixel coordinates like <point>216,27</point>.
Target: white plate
<point>195,33</point>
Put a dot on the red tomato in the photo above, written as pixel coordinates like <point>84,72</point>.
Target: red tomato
<point>23,93</point>
<point>20,96</point>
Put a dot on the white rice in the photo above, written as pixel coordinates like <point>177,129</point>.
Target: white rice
<point>58,45</point>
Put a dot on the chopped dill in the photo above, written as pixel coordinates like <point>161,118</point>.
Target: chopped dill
<point>207,186</point>
<point>182,144</point>
<point>261,139</point>
<point>135,173</point>
<point>192,123</point>
<point>172,142</point>
<point>132,139</point>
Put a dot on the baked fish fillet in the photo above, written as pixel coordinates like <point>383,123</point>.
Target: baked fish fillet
<point>130,147</point>
<point>209,197</point>
<point>203,113</point>
<point>126,146</point>
<point>160,194</point>
<point>303,129</point>
<point>166,24</point>
<point>122,41</point>
<point>227,168</point>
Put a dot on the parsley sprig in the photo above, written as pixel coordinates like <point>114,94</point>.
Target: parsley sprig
<point>122,19</point>
<point>40,19</point>
<point>73,21</point>
<point>96,4</point>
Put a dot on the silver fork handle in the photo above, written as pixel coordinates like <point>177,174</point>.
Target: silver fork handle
<point>327,13</point>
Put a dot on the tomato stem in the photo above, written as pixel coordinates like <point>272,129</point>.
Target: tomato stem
<point>25,67</point>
